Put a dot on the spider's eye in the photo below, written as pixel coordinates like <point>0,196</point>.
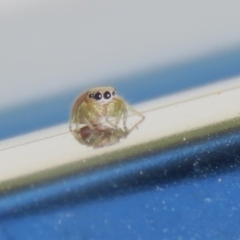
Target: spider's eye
<point>113,93</point>
<point>107,95</point>
<point>98,96</point>
<point>91,95</point>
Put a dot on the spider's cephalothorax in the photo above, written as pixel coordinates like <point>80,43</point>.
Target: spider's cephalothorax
<point>97,106</point>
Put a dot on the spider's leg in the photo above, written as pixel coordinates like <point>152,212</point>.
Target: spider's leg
<point>136,113</point>
<point>131,109</point>
<point>89,124</point>
<point>110,123</point>
<point>118,118</point>
<point>135,125</point>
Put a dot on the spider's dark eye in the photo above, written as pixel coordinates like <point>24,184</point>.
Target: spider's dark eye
<point>113,93</point>
<point>91,95</point>
<point>107,95</point>
<point>98,96</point>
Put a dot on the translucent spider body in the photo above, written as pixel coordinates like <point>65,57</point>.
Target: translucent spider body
<point>97,106</point>
<point>97,138</point>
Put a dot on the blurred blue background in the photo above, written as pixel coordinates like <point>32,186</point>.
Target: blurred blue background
<point>186,192</point>
<point>53,51</point>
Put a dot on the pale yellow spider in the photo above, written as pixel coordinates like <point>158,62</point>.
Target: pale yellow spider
<point>97,106</point>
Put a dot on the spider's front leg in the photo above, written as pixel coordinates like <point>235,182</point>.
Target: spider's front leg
<point>117,110</point>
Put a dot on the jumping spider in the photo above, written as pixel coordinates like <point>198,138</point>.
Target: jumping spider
<point>100,106</point>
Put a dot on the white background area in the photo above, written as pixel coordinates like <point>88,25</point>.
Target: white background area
<point>47,47</point>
